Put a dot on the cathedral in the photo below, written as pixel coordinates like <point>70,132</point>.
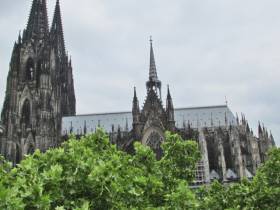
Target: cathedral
<point>40,88</point>
<point>39,110</point>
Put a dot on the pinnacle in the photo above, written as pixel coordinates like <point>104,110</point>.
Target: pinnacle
<point>168,93</point>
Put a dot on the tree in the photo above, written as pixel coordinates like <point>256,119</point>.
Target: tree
<point>91,173</point>
<point>261,193</point>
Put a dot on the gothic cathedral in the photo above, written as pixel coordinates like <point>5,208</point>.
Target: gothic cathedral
<point>39,110</point>
<point>40,88</point>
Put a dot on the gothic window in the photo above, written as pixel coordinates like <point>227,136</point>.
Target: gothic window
<point>26,113</point>
<point>154,141</point>
<point>29,71</point>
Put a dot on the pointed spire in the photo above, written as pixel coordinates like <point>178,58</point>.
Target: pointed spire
<point>260,129</point>
<point>38,26</point>
<point>153,69</point>
<point>135,94</point>
<point>57,28</point>
<point>169,102</point>
<point>19,38</point>
<point>135,99</point>
<point>153,84</point>
<point>57,22</point>
<point>247,127</point>
<point>169,107</point>
<point>135,105</point>
<point>168,93</point>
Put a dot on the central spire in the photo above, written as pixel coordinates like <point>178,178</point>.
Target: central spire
<point>153,83</point>
<point>153,69</point>
<point>38,26</point>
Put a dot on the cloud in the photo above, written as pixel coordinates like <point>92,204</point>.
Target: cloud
<point>205,50</point>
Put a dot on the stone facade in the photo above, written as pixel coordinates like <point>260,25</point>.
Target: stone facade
<point>40,95</point>
<point>40,87</point>
<point>229,151</point>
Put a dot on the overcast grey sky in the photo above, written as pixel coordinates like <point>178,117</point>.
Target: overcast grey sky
<point>205,50</point>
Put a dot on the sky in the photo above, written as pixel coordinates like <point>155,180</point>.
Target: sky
<point>206,50</point>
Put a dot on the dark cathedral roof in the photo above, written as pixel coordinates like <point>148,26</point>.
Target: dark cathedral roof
<point>207,116</point>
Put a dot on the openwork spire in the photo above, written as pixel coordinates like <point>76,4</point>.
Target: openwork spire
<point>57,28</point>
<point>153,83</point>
<point>153,69</point>
<point>38,26</point>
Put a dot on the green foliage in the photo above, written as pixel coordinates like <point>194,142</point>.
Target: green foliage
<point>261,193</point>
<point>92,174</point>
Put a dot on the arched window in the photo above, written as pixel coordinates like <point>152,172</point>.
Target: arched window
<point>26,113</point>
<point>29,71</point>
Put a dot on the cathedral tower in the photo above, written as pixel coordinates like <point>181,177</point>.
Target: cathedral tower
<point>40,88</point>
<point>153,120</point>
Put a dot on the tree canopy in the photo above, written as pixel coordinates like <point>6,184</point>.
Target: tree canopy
<point>91,173</point>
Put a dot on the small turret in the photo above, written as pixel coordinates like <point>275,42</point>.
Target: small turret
<point>135,108</point>
<point>260,131</point>
<point>170,110</point>
<point>19,38</point>
<point>247,127</point>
